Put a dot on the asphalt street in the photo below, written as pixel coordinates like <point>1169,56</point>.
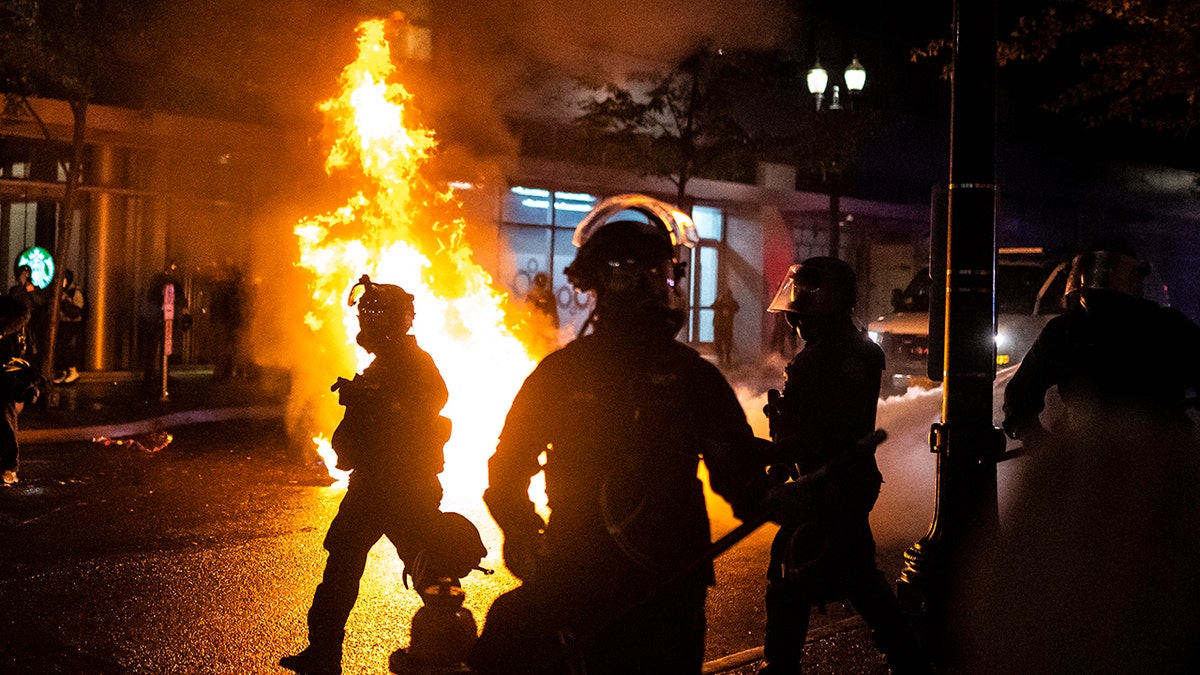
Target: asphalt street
<point>202,557</point>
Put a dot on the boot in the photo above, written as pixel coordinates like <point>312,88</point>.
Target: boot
<point>313,662</point>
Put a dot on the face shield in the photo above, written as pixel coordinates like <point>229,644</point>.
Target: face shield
<point>633,262</point>
<point>817,287</point>
<point>679,226</point>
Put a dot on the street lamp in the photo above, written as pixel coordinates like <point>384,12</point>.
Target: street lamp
<point>817,79</point>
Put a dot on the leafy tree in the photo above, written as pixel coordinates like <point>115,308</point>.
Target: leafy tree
<point>57,48</point>
<point>1135,61</point>
<point>681,123</point>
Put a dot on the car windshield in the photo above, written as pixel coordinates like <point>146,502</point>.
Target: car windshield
<point>1017,286</point>
<point>915,298</point>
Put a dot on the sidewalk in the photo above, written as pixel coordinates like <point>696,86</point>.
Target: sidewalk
<point>118,404</point>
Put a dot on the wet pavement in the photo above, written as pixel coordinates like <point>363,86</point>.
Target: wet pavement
<point>201,557</point>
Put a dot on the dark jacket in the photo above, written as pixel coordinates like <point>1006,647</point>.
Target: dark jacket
<point>1122,354</point>
<point>827,407</point>
<point>624,421</point>
<point>391,426</point>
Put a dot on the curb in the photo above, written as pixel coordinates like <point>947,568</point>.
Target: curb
<point>175,419</point>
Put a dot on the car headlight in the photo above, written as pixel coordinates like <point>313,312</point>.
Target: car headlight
<point>874,335</point>
<point>1002,341</point>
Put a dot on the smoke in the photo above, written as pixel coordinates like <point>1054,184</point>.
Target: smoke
<point>522,58</point>
<point>905,507</point>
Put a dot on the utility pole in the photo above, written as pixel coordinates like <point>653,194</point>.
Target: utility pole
<point>966,442</point>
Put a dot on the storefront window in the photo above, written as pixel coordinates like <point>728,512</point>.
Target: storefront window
<point>536,232</point>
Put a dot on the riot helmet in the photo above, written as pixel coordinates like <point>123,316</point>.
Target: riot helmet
<point>633,264</point>
<point>1107,271</point>
<point>818,288</point>
<point>385,312</point>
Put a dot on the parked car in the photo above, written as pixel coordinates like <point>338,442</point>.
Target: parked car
<point>1029,291</point>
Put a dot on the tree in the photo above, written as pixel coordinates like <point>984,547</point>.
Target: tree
<point>1135,61</point>
<point>57,48</point>
<point>682,123</point>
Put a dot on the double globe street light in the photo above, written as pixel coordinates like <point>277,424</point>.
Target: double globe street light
<point>855,78</point>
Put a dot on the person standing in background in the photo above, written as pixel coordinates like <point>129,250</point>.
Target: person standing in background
<point>70,326</point>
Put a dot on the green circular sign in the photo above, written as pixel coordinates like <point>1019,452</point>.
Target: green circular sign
<point>41,263</point>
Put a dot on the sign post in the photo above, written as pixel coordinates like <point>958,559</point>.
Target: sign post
<point>168,310</point>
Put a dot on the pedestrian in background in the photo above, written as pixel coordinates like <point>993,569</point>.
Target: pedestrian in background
<point>725,308</point>
<point>820,424</point>
<point>70,329</point>
<point>227,312</point>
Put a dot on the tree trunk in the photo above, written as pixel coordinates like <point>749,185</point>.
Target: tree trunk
<point>65,225</point>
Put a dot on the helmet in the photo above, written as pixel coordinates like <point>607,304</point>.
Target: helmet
<point>452,547</point>
<point>385,312</point>
<point>634,266</point>
<point>1106,270</point>
<point>621,248</point>
<point>817,287</point>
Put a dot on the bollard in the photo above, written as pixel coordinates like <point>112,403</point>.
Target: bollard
<point>443,632</point>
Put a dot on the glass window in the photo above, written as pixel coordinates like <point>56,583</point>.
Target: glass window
<point>571,207</point>
<point>706,326</point>
<point>706,280</point>
<point>573,308</point>
<point>527,206</point>
<point>709,222</point>
<point>536,237</point>
<point>524,252</point>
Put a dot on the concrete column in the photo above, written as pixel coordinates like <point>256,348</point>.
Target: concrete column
<point>102,258</point>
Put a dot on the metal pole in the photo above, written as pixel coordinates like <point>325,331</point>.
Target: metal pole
<point>835,212</point>
<point>965,441</point>
<point>168,310</point>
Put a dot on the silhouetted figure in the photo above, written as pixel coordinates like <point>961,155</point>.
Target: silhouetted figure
<point>227,312</point>
<point>18,382</point>
<point>391,439</point>
<point>826,553</point>
<point>70,330</point>
<point>541,298</point>
<point>1098,566</point>
<point>29,295</point>
<point>615,581</point>
<point>725,308</point>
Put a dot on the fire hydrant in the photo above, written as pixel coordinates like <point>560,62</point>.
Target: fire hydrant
<point>443,632</point>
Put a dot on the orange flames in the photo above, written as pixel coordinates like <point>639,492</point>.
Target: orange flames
<point>401,229</point>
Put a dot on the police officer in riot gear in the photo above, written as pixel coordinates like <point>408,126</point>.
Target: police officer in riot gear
<point>1112,350</point>
<point>1097,563</point>
<point>623,414</point>
<point>820,425</point>
<point>391,439</point>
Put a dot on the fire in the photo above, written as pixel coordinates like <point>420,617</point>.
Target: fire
<point>401,229</point>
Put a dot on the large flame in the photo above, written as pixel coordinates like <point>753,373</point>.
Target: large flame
<point>403,230</point>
